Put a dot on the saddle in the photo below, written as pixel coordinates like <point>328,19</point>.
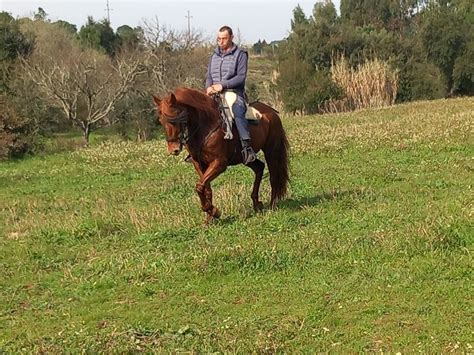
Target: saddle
<point>225,102</point>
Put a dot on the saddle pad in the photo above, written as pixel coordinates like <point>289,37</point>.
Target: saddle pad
<point>230,98</point>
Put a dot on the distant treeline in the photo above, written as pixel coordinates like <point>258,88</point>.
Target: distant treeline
<point>376,52</point>
<point>54,77</point>
<point>427,46</point>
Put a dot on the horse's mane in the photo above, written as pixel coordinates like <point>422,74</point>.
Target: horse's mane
<point>198,100</point>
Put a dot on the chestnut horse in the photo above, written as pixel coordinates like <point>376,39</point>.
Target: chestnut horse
<point>191,119</point>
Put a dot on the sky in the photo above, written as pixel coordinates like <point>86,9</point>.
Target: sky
<point>253,19</point>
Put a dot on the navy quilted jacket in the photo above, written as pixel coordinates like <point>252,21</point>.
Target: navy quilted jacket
<point>228,69</point>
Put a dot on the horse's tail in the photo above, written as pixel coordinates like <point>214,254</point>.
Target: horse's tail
<point>276,152</point>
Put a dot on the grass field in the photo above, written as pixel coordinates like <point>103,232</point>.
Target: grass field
<point>103,249</point>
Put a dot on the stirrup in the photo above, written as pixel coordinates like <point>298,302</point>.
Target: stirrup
<point>248,155</point>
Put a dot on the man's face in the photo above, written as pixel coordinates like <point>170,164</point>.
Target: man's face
<point>224,40</point>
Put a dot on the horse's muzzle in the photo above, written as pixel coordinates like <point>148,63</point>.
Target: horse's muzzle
<point>174,149</point>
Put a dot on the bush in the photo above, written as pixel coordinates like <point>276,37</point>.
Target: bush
<point>303,89</point>
<point>135,116</point>
<point>320,90</point>
<point>17,133</point>
<point>463,72</point>
<point>421,81</point>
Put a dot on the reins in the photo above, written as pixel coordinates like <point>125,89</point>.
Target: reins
<point>181,119</point>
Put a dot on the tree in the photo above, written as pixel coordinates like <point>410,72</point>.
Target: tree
<point>429,42</point>
<point>446,33</point>
<point>174,58</point>
<point>324,25</point>
<point>13,43</point>
<point>257,47</point>
<point>18,129</point>
<point>305,59</point>
<point>98,35</point>
<point>129,37</point>
<point>393,15</point>
<point>66,25</point>
<point>463,71</point>
<point>84,83</point>
<point>135,117</point>
<point>41,15</point>
<point>299,18</point>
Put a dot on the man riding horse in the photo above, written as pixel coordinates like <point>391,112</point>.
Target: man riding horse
<point>192,119</point>
<point>227,71</point>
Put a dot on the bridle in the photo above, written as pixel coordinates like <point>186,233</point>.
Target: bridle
<point>182,119</point>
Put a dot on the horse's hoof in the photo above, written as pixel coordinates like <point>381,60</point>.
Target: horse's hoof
<point>258,207</point>
<point>215,212</point>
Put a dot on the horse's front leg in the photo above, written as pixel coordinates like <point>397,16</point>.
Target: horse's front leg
<point>257,166</point>
<point>202,191</point>
<point>211,210</point>
<point>203,188</point>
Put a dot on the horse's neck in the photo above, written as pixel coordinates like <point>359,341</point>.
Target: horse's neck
<point>201,126</point>
<point>205,121</point>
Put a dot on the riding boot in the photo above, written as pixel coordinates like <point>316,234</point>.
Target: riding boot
<point>248,154</point>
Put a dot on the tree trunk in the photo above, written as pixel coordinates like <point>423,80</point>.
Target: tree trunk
<point>86,130</point>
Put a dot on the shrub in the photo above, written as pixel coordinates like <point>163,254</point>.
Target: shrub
<point>304,89</point>
<point>421,81</point>
<point>463,72</point>
<point>136,117</point>
<point>17,133</point>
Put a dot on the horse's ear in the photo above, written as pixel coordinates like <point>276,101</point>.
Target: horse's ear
<point>157,100</point>
<point>172,100</point>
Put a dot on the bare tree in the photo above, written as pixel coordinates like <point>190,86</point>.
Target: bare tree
<point>157,36</point>
<point>85,84</point>
<point>175,58</point>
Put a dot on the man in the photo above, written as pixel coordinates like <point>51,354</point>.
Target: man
<point>227,71</point>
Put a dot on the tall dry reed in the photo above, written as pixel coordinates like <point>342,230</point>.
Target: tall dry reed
<point>372,84</point>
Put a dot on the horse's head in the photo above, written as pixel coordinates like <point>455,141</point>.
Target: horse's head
<point>174,118</point>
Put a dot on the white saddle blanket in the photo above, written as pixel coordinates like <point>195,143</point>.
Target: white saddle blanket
<point>229,99</point>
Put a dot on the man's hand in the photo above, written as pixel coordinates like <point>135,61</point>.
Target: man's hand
<point>210,90</point>
<point>214,89</point>
<point>217,87</point>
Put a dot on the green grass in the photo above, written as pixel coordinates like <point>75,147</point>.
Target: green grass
<point>104,249</point>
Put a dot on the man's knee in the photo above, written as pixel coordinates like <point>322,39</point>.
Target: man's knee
<point>239,108</point>
<point>238,112</point>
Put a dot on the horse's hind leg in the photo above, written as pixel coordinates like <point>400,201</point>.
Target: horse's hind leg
<point>257,166</point>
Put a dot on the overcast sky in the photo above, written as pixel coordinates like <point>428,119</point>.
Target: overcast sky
<point>256,19</point>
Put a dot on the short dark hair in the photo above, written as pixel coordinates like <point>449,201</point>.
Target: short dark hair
<point>226,28</point>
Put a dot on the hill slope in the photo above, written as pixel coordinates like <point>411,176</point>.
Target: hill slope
<point>104,248</point>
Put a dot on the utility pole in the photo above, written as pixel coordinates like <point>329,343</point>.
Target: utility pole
<point>108,9</point>
<point>189,17</point>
